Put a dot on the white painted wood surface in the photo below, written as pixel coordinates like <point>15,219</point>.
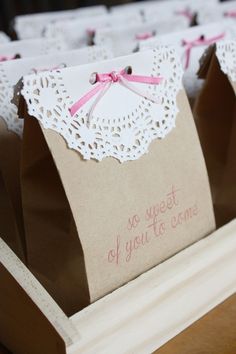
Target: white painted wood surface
<point>147,312</point>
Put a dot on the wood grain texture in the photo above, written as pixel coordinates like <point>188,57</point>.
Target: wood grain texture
<point>215,333</point>
<point>22,325</point>
<point>30,320</point>
<point>147,312</point>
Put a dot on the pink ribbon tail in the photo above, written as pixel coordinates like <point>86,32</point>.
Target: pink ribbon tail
<point>6,58</point>
<point>144,36</point>
<point>104,82</point>
<point>230,14</point>
<point>40,70</point>
<point>83,100</point>
<point>186,13</point>
<point>196,43</point>
<point>188,53</point>
<point>91,32</point>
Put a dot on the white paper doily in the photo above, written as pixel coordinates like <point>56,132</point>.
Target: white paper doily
<point>76,32</point>
<point>8,111</point>
<point>123,124</point>
<point>192,83</point>
<point>226,55</point>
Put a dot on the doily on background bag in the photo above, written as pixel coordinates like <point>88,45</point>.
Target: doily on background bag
<point>12,72</point>
<point>124,40</point>
<point>77,32</point>
<point>226,55</point>
<point>191,44</point>
<point>32,47</point>
<point>123,123</point>
<point>8,111</point>
<point>220,12</point>
<point>4,38</point>
<point>31,26</point>
<point>167,10</point>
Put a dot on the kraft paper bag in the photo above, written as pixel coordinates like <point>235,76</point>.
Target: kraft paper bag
<point>11,218</point>
<point>215,117</point>
<point>11,126</point>
<point>113,177</point>
<point>10,232</point>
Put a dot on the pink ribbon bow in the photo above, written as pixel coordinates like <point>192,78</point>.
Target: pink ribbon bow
<point>230,13</point>
<point>144,36</point>
<point>104,81</point>
<point>91,32</point>
<point>198,42</point>
<point>186,13</point>
<point>7,58</point>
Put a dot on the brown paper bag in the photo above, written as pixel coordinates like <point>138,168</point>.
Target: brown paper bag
<point>11,126</point>
<point>8,226</point>
<point>10,145</point>
<point>94,223</point>
<point>215,118</point>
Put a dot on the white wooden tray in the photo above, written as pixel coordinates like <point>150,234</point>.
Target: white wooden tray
<point>137,318</point>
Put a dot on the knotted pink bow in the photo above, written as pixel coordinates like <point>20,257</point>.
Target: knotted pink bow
<point>230,14</point>
<point>144,36</point>
<point>91,32</point>
<point>186,13</point>
<point>123,77</point>
<point>198,42</point>
<point>7,58</point>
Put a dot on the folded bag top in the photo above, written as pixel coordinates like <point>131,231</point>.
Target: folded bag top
<point>42,55</point>
<point>113,177</point>
<point>32,25</point>
<point>138,107</point>
<point>32,47</point>
<point>191,44</point>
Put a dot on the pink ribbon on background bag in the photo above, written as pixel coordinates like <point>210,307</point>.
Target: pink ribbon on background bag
<point>7,58</point>
<point>104,82</point>
<point>198,42</point>
<point>91,32</point>
<point>186,13</point>
<point>143,36</point>
<point>230,14</point>
<point>40,70</point>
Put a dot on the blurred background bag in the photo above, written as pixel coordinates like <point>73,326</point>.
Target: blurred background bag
<point>215,115</point>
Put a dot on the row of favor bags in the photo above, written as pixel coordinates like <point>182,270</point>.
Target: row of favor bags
<point>142,25</point>
<point>101,164</point>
